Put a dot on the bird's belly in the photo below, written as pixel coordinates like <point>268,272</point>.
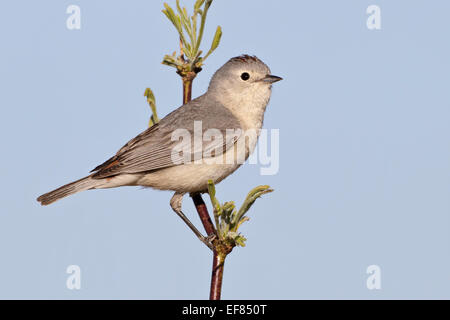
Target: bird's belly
<point>193,177</point>
<point>187,177</point>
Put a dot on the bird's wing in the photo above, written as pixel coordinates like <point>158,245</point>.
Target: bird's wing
<point>166,144</point>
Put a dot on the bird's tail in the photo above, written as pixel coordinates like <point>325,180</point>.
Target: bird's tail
<point>68,189</point>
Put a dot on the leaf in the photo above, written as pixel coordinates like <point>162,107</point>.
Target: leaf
<point>184,18</point>
<point>208,4</point>
<point>202,23</point>
<point>151,122</point>
<point>187,18</point>
<point>149,94</point>
<point>237,238</point>
<point>250,200</point>
<point>152,103</point>
<point>215,42</point>
<point>198,4</point>
<point>177,22</point>
<point>216,39</point>
<point>236,228</point>
<point>228,206</point>
<point>211,188</point>
<point>240,240</point>
<point>212,195</point>
<point>171,61</point>
<point>170,14</point>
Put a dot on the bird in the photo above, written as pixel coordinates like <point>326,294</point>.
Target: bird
<point>163,156</point>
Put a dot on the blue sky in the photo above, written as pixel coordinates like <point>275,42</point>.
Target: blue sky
<point>364,151</point>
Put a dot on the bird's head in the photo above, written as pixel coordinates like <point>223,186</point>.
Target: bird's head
<point>242,76</point>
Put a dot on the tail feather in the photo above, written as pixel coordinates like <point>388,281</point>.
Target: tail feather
<point>67,190</point>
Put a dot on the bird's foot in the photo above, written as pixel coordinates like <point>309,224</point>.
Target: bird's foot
<point>175,203</point>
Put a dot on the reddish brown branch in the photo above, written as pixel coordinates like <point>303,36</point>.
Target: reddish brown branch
<point>202,211</point>
<point>217,276</point>
<point>187,86</point>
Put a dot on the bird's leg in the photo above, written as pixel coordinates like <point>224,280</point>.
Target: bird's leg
<point>175,203</point>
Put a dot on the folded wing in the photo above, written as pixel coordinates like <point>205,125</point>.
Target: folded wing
<point>158,146</point>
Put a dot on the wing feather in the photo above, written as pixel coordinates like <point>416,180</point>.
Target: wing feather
<point>153,149</point>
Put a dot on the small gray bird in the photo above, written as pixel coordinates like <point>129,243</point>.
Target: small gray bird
<point>236,99</point>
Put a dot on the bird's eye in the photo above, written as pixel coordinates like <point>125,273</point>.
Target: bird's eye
<point>245,76</point>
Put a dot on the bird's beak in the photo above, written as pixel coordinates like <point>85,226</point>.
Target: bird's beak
<point>271,78</point>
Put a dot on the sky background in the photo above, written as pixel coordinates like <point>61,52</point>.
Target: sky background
<point>364,151</point>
